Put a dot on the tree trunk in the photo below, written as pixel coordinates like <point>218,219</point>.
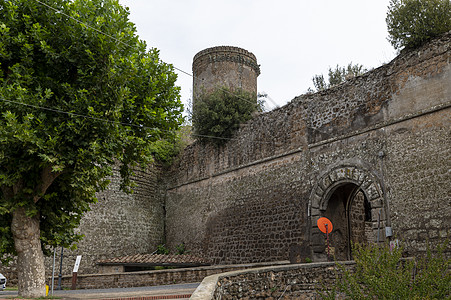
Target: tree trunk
<point>30,259</point>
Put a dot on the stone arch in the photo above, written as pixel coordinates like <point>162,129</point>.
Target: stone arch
<point>354,179</point>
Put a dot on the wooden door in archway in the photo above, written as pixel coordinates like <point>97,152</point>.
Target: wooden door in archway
<point>350,213</point>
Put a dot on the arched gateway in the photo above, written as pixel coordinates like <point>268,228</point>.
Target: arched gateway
<point>353,199</point>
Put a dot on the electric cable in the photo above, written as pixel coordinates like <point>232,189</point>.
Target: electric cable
<point>126,44</point>
<point>117,122</point>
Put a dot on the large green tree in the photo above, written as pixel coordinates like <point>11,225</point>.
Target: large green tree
<point>411,23</point>
<point>78,93</point>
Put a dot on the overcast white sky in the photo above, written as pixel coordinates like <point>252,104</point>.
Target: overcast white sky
<point>292,39</point>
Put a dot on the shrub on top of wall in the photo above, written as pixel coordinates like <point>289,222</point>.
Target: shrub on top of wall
<point>217,116</point>
<point>411,23</point>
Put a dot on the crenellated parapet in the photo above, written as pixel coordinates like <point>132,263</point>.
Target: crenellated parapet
<point>224,66</point>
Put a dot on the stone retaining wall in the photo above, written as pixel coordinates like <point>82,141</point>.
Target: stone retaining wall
<point>153,278</point>
<point>298,281</point>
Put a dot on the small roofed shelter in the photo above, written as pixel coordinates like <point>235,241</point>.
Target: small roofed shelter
<point>144,262</point>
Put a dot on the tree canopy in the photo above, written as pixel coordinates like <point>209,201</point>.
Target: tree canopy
<point>216,116</point>
<point>411,23</point>
<point>79,93</point>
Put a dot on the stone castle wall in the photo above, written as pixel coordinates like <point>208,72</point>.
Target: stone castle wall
<point>119,224</point>
<point>386,132</point>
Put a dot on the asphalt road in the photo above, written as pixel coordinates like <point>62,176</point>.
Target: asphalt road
<point>179,291</point>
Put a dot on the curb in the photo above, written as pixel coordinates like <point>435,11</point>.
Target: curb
<point>128,298</point>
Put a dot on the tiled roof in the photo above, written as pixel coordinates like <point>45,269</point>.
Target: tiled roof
<point>156,260</point>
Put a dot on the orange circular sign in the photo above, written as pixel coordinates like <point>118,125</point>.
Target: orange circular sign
<point>322,225</point>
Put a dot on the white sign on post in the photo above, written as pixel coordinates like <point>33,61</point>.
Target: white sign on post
<point>77,263</point>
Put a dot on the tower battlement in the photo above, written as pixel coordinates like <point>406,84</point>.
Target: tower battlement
<point>224,66</point>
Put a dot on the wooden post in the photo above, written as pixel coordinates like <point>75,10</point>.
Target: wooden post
<point>74,281</point>
<point>74,272</point>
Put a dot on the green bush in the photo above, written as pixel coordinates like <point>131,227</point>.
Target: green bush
<point>164,150</point>
<point>217,116</point>
<point>161,249</point>
<point>411,23</point>
<point>181,249</point>
<point>337,76</point>
<point>383,274</point>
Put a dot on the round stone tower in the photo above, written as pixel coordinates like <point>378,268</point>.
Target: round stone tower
<point>224,66</point>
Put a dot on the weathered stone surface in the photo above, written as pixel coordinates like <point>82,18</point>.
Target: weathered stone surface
<point>300,281</point>
<point>224,66</point>
<point>156,277</point>
<point>119,224</point>
<point>386,132</point>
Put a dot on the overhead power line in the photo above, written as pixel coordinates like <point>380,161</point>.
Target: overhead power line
<point>76,114</point>
<point>117,122</point>
<point>110,121</point>
<point>126,44</point>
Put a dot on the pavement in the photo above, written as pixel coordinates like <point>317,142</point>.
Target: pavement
<point>174,291</point>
